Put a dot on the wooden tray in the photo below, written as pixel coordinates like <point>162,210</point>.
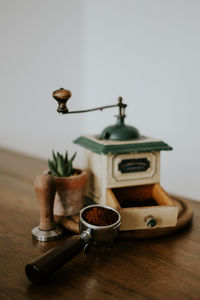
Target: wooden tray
<point>184,217</point>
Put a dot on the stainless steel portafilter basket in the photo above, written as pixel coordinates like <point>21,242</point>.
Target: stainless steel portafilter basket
<point>100,234</point>
<point>41,268</point>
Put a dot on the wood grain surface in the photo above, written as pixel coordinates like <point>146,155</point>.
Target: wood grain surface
<point>162,268</point>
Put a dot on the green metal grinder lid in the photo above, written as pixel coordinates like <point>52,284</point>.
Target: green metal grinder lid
<point>120,131</point>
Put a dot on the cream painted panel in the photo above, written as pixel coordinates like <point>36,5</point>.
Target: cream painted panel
<point>119,176</point>
<point>134,218</point>
<point>115,179</point>
<point>100,169</point>
<point>96,166</point>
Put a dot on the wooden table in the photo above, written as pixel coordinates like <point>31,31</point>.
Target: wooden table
<point>163,268</point>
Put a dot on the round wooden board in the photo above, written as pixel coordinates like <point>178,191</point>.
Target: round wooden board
<point>184,217</point>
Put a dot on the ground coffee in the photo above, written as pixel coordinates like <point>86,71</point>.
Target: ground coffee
<point>100,216</point>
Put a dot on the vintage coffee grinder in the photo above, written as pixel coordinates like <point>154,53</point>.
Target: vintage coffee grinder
<point>124,171</point>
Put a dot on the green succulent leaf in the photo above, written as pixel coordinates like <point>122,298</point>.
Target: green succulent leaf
<point>72,158</point>
<point>54,158</point>
<point>69,170</point>
<point>66,157</point>
<point>60,166</point>
<point>52,168</point>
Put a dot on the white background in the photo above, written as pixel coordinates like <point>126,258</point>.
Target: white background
<point>147,51</point>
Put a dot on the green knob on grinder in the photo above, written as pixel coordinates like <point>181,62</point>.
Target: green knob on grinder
<point>151,222</point>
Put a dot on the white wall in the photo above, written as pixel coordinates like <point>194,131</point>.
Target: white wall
<point>41,50</point>
<point>146,51</point>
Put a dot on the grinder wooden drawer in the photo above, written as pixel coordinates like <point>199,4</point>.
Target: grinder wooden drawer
<point>143,207</point>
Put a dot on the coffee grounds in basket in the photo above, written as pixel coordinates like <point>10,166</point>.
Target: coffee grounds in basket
<point>100,216</point>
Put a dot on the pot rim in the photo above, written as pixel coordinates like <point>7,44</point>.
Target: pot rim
<point>82,173</point>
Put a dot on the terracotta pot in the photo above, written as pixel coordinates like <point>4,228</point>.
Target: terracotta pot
<point>69,198</point>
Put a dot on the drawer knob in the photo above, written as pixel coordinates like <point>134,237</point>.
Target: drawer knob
<point>151,221</point>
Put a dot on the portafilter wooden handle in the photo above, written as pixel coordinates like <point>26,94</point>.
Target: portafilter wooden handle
<point>45,188</point>
<point>41,268</point>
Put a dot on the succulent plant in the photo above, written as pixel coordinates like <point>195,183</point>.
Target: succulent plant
<point>61,166</point>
